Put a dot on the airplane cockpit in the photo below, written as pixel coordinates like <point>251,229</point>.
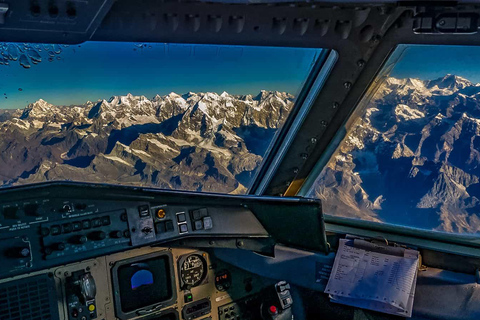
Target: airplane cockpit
<point>239,160</point>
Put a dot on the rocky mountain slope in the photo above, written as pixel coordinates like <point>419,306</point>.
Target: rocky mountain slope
<point>413,158</point>
<point>196,141</point>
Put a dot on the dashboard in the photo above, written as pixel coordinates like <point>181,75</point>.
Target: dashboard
<point>78,252</point>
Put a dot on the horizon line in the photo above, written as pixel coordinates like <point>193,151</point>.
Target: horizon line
<point>150,99</point>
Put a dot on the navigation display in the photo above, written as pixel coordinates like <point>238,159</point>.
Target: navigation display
<point>142,282</point>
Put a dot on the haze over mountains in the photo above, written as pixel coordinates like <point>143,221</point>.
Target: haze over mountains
<point>197,141</point>
<point>412,159</point>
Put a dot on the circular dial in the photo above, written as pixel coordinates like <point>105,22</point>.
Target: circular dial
<point>193,270</point>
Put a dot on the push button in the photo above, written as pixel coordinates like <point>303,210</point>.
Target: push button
<point>169,226</point>
<point>181,217</point>
<point>105,221</point>
<point>199,213</point>
<point>96,223</point>
<point>44,232</point>
<point>55,230</point>
<point>207,223</point>
<point>86,224</point>
<point>160,227</point>
<point>273,310</point>
<point>198,225</point>
<point>76,225</point>
<point>188,297</point>
<point>183,228</point>
<point>67,227</point>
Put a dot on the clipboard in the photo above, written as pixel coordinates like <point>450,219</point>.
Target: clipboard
<point>375,275</point>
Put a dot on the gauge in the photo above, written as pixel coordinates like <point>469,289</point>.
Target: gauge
<point>223,280</point>
<point>193,270</point>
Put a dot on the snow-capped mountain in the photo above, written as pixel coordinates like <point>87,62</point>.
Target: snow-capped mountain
<point>412,159</point>
<point>197,141</point>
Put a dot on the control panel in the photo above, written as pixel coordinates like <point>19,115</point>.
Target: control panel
<point>84,233</point>
<point>49,227</point>
<point>146,284</point>
<point>80,293</point>
<point>274,302</point>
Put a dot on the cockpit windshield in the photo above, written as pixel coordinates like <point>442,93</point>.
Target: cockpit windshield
<point>411,156</point>
<point>185,117</point>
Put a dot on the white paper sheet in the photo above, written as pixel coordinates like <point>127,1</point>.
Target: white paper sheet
<point>372,280</point>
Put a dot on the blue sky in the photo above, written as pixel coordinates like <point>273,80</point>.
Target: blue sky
<point>99,70</point>
<point>432,62</point>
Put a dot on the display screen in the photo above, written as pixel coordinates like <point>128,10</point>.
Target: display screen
<point>144,283</point>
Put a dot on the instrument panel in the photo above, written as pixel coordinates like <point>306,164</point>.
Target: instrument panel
<point>74,251</point>
<point>59,231</point>
<point>139,284</point>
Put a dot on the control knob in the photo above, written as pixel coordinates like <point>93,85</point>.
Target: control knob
<point>60,246</point>
<point>117,234</point>
<point>18,252</point>
<point>79,239</point>
<point>97,235</point>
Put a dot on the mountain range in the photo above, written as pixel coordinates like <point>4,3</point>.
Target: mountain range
<point>196,141</point>
<point>412,158</point>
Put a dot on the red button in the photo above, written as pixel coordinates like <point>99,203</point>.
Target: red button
<point>273,310</point>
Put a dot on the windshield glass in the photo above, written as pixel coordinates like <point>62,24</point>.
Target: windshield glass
<point>412,154</point>
<point>189,117</point>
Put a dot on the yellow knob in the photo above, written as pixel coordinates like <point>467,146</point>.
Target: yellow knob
<point>161,213</point>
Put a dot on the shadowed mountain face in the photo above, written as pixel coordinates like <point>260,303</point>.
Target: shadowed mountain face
<point>198,141</point>
<point>413,158</point>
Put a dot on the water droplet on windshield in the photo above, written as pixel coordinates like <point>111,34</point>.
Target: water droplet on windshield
<point>24,61</point>
<point>57,49</point>
<point>34,55</point>
<point>13,52</point>
<point>27,53</point>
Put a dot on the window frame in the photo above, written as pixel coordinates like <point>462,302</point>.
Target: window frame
<point>465,244</point>
<point>284,137</point>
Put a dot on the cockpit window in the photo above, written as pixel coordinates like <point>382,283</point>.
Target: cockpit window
<point>186,117</point>
<point>411,155</point>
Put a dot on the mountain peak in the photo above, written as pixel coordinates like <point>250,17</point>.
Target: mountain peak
<point>38,109</point>
<point>40,104</point>
<point>450,81</point>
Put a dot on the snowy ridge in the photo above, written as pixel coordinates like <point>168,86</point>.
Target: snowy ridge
<point>195,141</point>
<point>412,159</point>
